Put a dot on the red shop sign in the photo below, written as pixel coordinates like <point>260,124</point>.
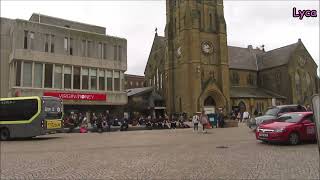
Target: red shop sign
<point>77,96</point>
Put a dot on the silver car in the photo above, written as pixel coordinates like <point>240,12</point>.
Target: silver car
<point>273,113</point>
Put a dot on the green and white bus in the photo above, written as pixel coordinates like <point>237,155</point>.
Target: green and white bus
<point>24,117</point>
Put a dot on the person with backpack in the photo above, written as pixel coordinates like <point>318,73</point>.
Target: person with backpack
<point>195,121</point>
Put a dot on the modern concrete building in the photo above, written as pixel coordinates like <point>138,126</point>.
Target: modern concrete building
<point>133,81</point>
<point>75,61</point>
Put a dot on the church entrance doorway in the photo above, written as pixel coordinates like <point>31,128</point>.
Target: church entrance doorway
<point>242,107</point>
<point>209,105</point>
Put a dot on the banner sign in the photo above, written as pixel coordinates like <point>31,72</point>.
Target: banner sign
<point>77,96</point>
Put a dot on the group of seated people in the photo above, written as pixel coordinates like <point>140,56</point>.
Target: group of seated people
<point>99,122</point>
<point>160,122</point>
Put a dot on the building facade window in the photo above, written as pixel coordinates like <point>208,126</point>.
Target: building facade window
<point>67,77</point>
<point>27,74</point>
<point>25,40</point>
<point>99,50</point>
<point>93,79</point>
<point>83,48</point>
<point>52,43</point>
<point>58,77</point>
<point>89,48</point>
<point>120,53</point>
<point>65,44</point>
<point>117,81</point>
<point>76,77</point>
<point>38,75</point>
<point>85,78</point>
<point>101,80</point>
<point>71,47</point>
<point>46,43</point>
<point>109,81</point>
<point>105,51</point>
<point>122,87</point>
<point>115,53</point>
<point>18,73</point>
<point>32,41</point>
<point>48,75</point>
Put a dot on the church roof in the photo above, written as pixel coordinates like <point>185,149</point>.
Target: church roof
<point>276,57</point>
<point>256,59</point>
<point>243,58</point>
<point>158,43</point>
<point>252,92</point>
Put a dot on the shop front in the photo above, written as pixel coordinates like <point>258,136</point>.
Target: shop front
<point>80,102</point>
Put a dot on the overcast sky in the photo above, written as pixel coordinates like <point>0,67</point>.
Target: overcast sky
<point>248,22</point>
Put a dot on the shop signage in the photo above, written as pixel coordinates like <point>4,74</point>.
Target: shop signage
<point>77,96</point>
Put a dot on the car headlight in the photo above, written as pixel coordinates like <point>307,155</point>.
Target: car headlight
<point>258,129</point>
<point>279,130</point>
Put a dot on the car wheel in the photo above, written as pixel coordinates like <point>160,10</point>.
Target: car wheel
<point>294,139</point>
<point>4,134</point>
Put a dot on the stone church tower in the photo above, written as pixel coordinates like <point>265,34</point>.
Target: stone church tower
<point>196,60</point>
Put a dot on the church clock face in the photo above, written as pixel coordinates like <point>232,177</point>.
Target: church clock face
<point>207,47</point>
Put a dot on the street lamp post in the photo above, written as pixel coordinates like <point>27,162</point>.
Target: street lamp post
<point>316,112</point>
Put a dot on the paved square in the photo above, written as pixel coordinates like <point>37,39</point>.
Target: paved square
<point>157,154</point>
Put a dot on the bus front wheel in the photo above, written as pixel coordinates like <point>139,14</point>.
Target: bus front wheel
<point>4,134</point>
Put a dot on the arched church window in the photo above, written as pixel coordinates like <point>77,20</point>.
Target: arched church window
<point>308,79</point>
<point>298,84</point>
<point>200,17</point>
<point>235,78</point>
<point>277,79</point>
<point>250,79</point>
<point>210,19</point>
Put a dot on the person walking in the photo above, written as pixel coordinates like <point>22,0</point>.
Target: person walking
<point>239,117</point>
<point>195,121</point>
<point>99,123</point>
<point>204,121</point>
<point>220,118</point>
<point>246,116</point>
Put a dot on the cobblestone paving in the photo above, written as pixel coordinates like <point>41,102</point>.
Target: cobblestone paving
<point>157,154</point>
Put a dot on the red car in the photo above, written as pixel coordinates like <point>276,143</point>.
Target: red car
<point>291,128</point>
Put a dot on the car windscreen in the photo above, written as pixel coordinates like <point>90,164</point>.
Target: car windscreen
<point>290,118</point>
<point>272,112</point>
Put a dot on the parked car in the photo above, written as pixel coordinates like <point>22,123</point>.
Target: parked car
<point>273,113</point>
<point>291,128</point>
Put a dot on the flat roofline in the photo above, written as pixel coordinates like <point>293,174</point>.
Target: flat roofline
<point>79,30</point>
<point>132,75</point>
<point>37,14</point>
